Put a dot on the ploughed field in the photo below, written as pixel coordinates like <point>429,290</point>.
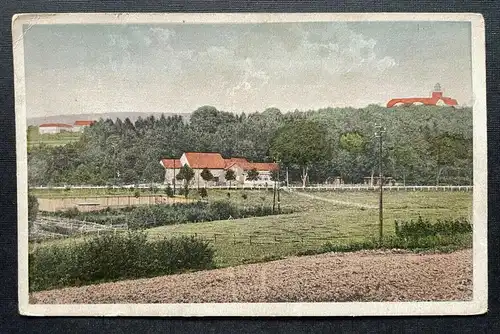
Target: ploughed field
<point>332,277</point>
<point>340,218</point>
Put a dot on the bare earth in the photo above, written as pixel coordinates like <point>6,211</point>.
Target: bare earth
<point>334,277</point>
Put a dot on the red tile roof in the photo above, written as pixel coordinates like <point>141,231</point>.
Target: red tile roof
<point>265,166</point>
<point>199,160</point>
<point>171,163</point>
<point>436,96</point>
<point>83,123</point>
<point>55,125</point>
<point>241,162</point>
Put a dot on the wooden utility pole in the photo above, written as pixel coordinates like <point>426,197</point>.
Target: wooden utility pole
<point>279,186</point>
<point>174,179</point>
<point>274,195</point>
<point>379,134</point>
<point>287,184</point>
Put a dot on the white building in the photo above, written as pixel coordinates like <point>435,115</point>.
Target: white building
<point>79,126</point>
<point>218,166</point>
<point>51,128</point>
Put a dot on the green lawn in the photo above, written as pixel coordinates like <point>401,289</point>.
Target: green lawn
<point>313,223</point>
<point>63,138</point>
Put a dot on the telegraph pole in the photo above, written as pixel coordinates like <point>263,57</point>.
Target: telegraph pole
<point>174,179</point>
<point>279,186</point>
<point>379,134</point>
<point>274,192</point>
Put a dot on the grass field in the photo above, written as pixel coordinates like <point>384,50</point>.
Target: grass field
<point>36,139</point>
<point>314,222</point>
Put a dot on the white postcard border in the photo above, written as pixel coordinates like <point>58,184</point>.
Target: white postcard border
<point>480,292</point>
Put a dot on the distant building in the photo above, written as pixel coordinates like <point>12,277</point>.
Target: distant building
<point>436,99</point>
<point>218,166</point>
<point>78,126</point>
<point>51,128</point>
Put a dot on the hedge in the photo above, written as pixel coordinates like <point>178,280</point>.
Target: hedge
<point>111,257</point>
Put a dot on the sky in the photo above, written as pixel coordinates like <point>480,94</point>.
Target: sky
<point>176,68</point>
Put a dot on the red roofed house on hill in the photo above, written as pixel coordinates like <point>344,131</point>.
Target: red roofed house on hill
<point>80,125</point>
<point>217,166</point>
<point>54,128</point>
<point>436,99</point>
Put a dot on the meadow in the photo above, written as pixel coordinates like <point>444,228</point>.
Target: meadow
<point>340,218</point>
<point>58,139</point>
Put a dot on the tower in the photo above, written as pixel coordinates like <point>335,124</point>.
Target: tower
<point>437,92</point>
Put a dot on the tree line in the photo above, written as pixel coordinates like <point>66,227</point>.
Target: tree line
<point>422,145</point>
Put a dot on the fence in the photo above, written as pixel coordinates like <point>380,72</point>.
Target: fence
<point>376,188</point>
<point>89,203</point>
<point>351,187</point>
<point>269,239</point>
<point>56,227</point>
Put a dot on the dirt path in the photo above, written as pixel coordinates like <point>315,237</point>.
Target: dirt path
<point>359,205</point>
<point>360,276</point>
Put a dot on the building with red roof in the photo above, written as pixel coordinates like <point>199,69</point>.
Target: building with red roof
<point>218,166</point>
<point>436,99</point>
<point>51,128</point>
<point>80,125</point>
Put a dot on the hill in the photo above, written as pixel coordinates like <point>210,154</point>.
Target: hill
<point>70,119</point>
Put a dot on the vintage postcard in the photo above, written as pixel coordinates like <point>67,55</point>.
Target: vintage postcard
<point>251,164</point>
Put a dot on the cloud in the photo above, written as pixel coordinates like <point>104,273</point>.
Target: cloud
<point>155,68</point>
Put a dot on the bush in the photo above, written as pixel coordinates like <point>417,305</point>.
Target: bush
<point>420,228</point>
<point>137,193</point>
<point>72,212</point>
<point>169,191</point>
<point>110,257</point>
<point>244,196</point>
<point>203,193</point>
<point>435,243</point>
<point>158,215</point>
<point>416,235</point>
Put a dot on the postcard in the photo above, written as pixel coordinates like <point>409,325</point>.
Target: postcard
<point>251,164</point>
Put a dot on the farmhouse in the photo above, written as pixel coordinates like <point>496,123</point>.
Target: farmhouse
<point>218,167</point>
<point>78,126</point>
<point>52,128</point>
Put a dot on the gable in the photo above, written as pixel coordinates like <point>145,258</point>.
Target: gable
<point>200,160</point>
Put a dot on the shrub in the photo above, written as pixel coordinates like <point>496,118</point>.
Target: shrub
<point>244,196</point>
<point>158,215</point>
<point>137,193</point>
<point>72,212</point>
<point>437,243</point>
<point>420,228</point>
<point>203,193</point>
<point>169,191</point>
<point>184,191</point>
<point>110,257</point>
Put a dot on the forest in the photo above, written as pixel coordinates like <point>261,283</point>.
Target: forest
<point>422,145</point>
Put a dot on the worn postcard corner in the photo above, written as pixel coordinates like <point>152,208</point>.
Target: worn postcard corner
<point>311,164</point>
